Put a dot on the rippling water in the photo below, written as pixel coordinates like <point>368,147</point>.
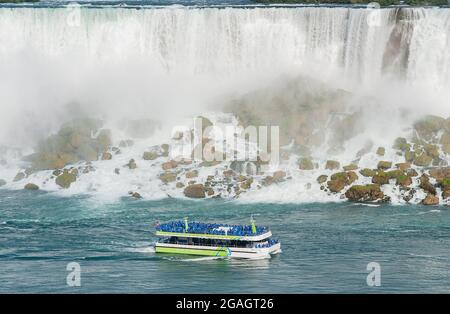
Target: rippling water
<point>326,247</point>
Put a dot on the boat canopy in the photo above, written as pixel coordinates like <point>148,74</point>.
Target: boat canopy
<point>212,230</point>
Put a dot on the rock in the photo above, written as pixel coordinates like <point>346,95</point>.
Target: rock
<point>136,195</point>
<point>430,199</point>
<point>428,126</point>
<point>279,175</point>
<point>381,151</point>
<point>446,148</point>
<point>117,171</point>
<point>167,177</point>
<point>195,191</point>
<point>394,174</point>
<point>131,164</point>
<point>56,172</point>
<point>432,150</point>
<point>179,185</point>
<point>440,174</point>
<point>65,179</point>
<point>380,178</point>
<point>411,173</point>
<point>150,155</point>
<point>350,167</point>
<point>367,172</point>
<point>2,182</point>
<point>423,160</point>
<point>169,165</point>
<point>31,186</point>
<point>401,143</point>
<point>384,165</point>
<point>332,165</point>
<point>106,156</point>
<point>210,163</point>
<point>305,164</point>
<point>165,150</point>
<point>426,185</point>
<point>366,193</point>
<point>403,166</point>
<point>19,176</point>
<point>228,173</point>
<point>246,184</point>
<point>340,180</point>
<point>322,179</point>
<point>209,191</point>
<point>404,180</point>
<point>446,193</point>
<point>336,185</point>
<point>445,138</point>
<point>409,156</point>
<point>191,174</point>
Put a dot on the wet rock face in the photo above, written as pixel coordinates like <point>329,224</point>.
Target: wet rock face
<point>195,191</point>
<point>65,179</point>
<point>76,140</point>
<point>340,180</point>
<point>322,179</point>
<point>366,193</point>
<point>305,164</point>
<point>167,177</point>
<point>31,186</point>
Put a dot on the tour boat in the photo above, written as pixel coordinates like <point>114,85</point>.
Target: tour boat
<point>216,240</point>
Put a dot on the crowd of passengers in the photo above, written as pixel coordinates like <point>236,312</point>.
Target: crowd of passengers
<point>266,244</point>
<point>210,228</point>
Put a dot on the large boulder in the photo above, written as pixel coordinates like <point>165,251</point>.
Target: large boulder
<point>366,172</point>
<point>322,179</point>
<point>150,156</point>
<point>426,185</point>
<point>381,151</point>
<point>366,193</point>
<point>305,163</point>
<point>332,165</point>
<point>106,156</point>
<point>191,174</point>
<point>430,199</point>
<point>423,160</point>
<point>401,143</point>
<point>384,165</point>
<point>338,181</point>
<point>169,165</point>
<point>65,179</point>
<point>167,177</point>
<point>351,167</point>
<point>31,186</point>
<point>195,191</point>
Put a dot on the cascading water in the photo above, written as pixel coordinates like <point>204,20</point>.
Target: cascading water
<point>230,40</point>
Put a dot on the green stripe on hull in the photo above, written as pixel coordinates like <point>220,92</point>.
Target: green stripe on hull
<point>196,235</point>
<point>222,252</point>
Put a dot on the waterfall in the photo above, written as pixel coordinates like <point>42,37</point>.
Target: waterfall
<point>224,41</point>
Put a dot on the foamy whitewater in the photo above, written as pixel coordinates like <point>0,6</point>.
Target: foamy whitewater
<point>172,64</point>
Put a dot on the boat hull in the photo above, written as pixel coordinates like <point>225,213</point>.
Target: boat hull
<point>232,252</point>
